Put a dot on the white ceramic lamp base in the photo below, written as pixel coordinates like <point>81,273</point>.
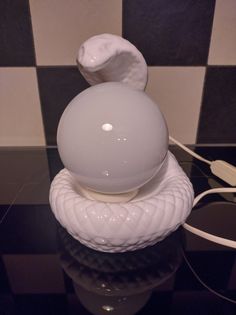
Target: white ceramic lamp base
<point>159,208</point>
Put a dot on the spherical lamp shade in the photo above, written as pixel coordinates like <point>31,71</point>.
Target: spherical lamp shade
<point>112,138</point>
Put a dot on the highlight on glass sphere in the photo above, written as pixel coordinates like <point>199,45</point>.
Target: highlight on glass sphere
<point>112,138</point>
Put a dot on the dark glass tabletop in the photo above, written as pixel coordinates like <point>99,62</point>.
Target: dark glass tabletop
<point>43,270</point>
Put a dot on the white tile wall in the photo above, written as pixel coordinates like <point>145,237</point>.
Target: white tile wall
<point>178,92</point>
<point>20,110</point>
<point>60,26</point>
<point>223,38</point>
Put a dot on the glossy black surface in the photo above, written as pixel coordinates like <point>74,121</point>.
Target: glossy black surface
<point>43,270</point>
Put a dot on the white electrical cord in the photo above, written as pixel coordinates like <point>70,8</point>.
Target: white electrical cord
<point>221,169</point>
<point>224,171</point>
<point>205,235</point>
<point>194,154</point>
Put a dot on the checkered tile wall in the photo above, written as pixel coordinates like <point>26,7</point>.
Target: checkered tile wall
<point>190,48</point>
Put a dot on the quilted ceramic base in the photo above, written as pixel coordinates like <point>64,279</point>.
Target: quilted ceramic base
<point>160,207</point>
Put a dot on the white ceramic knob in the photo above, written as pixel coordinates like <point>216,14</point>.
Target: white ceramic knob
<point>112,138</point>
<point>111,58</point>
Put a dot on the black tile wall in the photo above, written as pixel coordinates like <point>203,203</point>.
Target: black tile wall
<point>57,87</point>
<point>169,32</point>
<point>16,38</point>
<point>218,116</point>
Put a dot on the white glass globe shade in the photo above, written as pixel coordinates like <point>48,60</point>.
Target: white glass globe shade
<point>112,138</point>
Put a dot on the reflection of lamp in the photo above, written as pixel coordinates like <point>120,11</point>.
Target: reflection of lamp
<point>122,282</point>
<point>116,305</point>
<point>121,188</point>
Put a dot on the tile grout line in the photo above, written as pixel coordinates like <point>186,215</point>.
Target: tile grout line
<point>209,47</point>
<point>204,80</point>
<point>35,57</point>
<point>201,105</point>
<point>32,33</point>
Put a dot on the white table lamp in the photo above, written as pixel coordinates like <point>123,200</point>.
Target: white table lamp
<point>121,188</point>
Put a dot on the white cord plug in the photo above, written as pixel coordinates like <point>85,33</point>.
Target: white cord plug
<point>224,171</point>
